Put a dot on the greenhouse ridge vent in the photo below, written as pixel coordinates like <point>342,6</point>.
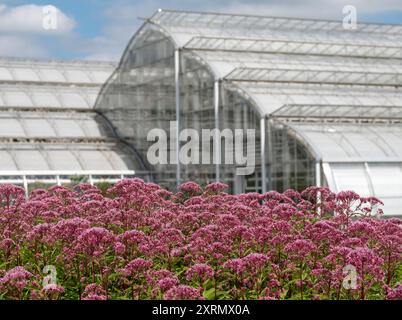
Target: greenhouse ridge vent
<point>326,103</point>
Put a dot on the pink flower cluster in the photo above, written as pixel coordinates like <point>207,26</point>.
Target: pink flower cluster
<point>139,241</point>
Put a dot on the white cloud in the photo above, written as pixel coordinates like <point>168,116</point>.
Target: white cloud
<point>22,33</point>
<point>106,55</point>
<point>16,46</point>
<point>29,19</point>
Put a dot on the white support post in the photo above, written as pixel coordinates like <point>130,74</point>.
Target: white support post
<point>318,174</point>
<point>318,184</point>
<point>368,177</point>
<point>25,182</point>
<point>58,182</point>
<point>177,86</point>
<point>217,147</point>
<point>91,180</point>
<point>268,143</point>
<point>263,162</point>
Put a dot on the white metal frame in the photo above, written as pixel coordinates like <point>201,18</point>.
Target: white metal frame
<point>61,177</point>
<point>294,46</point>
<point>199,20</point>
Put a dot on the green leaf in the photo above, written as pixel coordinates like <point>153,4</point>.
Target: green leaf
<point>209,294</point>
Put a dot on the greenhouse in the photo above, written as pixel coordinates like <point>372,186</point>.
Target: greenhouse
<point>325,102</point>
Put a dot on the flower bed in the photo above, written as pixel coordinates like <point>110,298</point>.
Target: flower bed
<point>139,241</point>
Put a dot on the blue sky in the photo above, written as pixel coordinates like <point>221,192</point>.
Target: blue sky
<point>100,29</point>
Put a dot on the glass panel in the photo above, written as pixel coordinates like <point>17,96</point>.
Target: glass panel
<point>39,128</point>
<point>94,160</point>
<point>392,206</point>
<point>142,97</point>
<point>64,160</point>
<point>387,179</point>
<point>5,74</point>
<point>46,99</point>
<point>197,112</point>
<point>238,113</point>
<point>100,76</point>
<point>366,148</point>
<point>91,98</point>
<point>78,76</point>
<point>74,100</point>
<point>52,75</point>
<point>23,74</point>
<point>93,128</point>
<point>351,177</point>
<point>353,142</point>
<point>69,128</point>
<point>17,99</point>
<point>290,164</point>
<point>11,128</point>
<point>119,161</point>
<point>31,160</point>
<point>7,162</point>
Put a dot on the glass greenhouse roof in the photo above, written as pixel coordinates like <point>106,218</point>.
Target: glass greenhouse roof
<point>47,121</point>
<point>79,72</point>
<point>323,47</point>
<point>298,62</point>
<point>341,142</point>
<point>185,25</point>
<point>51,125</point>
<point>319,100</point>
<point>47,96</point>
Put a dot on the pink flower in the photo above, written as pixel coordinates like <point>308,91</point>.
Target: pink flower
<point>216,187</point>
<point>367,263</point>
<point>133,237</point>
<point>238,266</point>
<point>167,283</point>
<point>95,241</point>
<point>119,248</point>
<point>10,195</point>
<point>300,248</point>
<point>255,261</point>
<point>141,241</point>
<point>183,292</point>
<point>394,294</point>
<point>191,188</point>
<point>53,290</point>
<point>15,275</point>
<point>14,281</point>
<point>94,291</point>
<point>200,271</point>
<point>135,266</point>
<point>93,296</point>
